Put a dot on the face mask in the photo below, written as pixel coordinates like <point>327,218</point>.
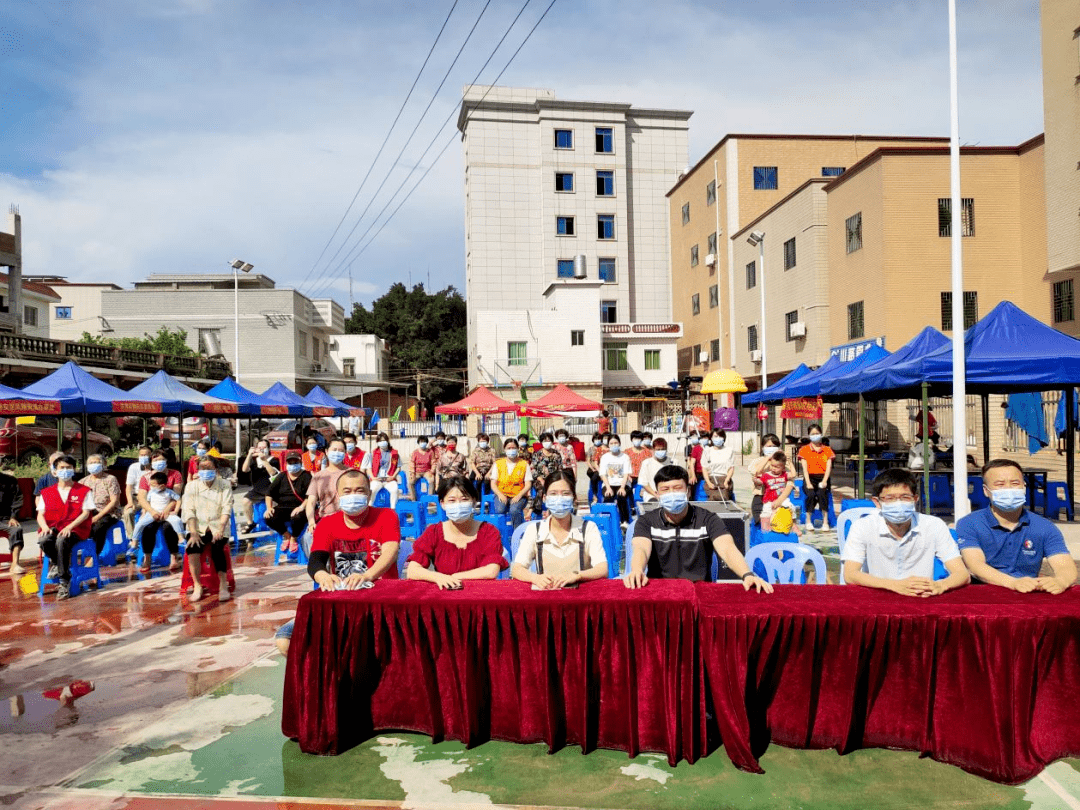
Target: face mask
<point>511,453</point>
<point>597,442</point>
<point>353,504</point>
<point>93,469</point>
<point>718,442</point>
<point>546,445</point>
<point>207,475</point>
<point>647,442</point>
<point>384,445</point>
<point>440,442</point>
<point>768,451</point>
<point>144,461</point>
<point>694,440</point>
<point>459,512</point>
<point>311,448</point>
<point>522,440</point>
<point>451,448</point>
<point>637,442</point>
<point>559,505</point>
<point>294,468</point>
<point>660,454</point>
<point>66,474</point>
<point>1008,499</point>
<point>336,456</point>
<point>422,445</point>
<point>201,451</point>
<point>563,439</point>
<point>482,445</point>
<point>615,449</point>
<point>898,512</point>
<point>160,465</point>
<point>350,446</point>
<point>816,438</point>
<point>674,502</point>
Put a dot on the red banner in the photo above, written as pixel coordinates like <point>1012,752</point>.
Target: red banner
<point>220,407</point>
<point>323,411</point>
<point>802,408</point>
<point>125,406</point>
<point>27,407</point>
<point>274,410</point>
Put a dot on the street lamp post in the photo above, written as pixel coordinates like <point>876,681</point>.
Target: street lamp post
<point>758,238</point>
<point>237,266</point>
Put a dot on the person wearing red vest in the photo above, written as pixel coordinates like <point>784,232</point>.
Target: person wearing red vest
<point>64,520</point>
<point>354,456</point>
<point>381,465</point>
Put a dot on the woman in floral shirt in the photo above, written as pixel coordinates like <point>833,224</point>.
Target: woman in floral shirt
<point>545,461</point>
<point>450,463</point>
<point>481,461</point>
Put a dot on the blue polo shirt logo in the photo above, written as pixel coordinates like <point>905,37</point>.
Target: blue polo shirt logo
<point>1029,547</point>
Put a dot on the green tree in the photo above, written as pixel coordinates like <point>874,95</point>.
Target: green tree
<point>425,332</point>
<point>164,342</point>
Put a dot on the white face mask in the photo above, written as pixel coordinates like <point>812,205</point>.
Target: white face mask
<point>768,451</point>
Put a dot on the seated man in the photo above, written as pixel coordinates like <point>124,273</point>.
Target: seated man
<point>898,546</point>
<point>49,479</point>
<point>1005,544</point>
<point>64,511</point>
<point>160,507</point>
<point>678,540</point>
<point>357,544</point>
<point>11,501</point>
<point>208,505</point>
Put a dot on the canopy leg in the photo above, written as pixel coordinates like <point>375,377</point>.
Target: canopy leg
<point>1070,442</point>
<point>861,483</point>
<point>926,445</point>
<point>986,428</point>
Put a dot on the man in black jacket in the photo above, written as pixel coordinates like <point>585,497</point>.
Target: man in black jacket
<point>11,501</point>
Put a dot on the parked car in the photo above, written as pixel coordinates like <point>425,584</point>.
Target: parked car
<point>29,437</point>
<point>283,436</point>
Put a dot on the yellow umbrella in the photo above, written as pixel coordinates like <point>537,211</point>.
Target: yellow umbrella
<point>723,381</point>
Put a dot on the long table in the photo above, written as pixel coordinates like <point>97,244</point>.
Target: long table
<point>597,666</point>
<point>982,678</point>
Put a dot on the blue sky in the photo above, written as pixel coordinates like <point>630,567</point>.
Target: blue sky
<point>172,135</point>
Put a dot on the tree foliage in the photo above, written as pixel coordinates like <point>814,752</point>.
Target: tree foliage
<point>424,331</point>
<point>164,342</point>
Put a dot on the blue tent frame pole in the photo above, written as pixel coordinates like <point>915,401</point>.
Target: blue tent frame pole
<point>1070,444</point>
<point>986,428</point>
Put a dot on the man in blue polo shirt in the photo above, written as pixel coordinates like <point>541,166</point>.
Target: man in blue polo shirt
<point>1005,544</point>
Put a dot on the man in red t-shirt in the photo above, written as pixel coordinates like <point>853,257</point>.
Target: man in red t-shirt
<point>356,545</point>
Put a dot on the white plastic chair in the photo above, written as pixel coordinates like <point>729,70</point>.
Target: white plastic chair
<point>789,571</point>
<point>843,525</point>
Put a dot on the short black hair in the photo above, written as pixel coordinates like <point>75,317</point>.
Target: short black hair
<point>720,432</point>
<point>440,433</point>
<point>512,441</point>
<point>448,485</point>
<point>814,427</point>
<point>893,477</point>
<point>560,475</point>
<point>483,436</point>
<point>547,435</point>
<point>349,436</point>
<point>159,478</point>
<point>993,464</point>
<point>661,442</point>
<point>67,460</point>
<point>598,435</point>
<point>636,434</point>
<point>383,437</point>
<point>348,475</point>
<point>671,472</point>
<point>614,437</point>
<point>770,437</point>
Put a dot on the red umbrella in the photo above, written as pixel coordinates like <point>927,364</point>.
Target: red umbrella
<point>479,401</point>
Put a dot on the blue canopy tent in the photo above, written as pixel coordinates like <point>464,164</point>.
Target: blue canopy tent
<point>319,395</point>
<point>175,397</point>
<point>250,403</point>
<point>774,393</point>
<point>870,377</point>
<point>787,392</point>
<point>813,384</point>
<point>278,394</point>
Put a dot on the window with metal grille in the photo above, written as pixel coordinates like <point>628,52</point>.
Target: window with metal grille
<point>566,268</point>
<point>686,213</point>
<point>694,256</point>
<point>607,270</point>
<point>652,359</point>
<point>710,193</point>
<point>605,226</point>
<point>1063,301</point>
<point>967,216</point>
<point>615,357</point>
<point>695,304</point>
<point>765,178</point>
<point>751,338</point>
<point>564,181</point>
<point>712,243</point>
<point>856,326</point>
<point>853,232</point>
<point>517,353</point>
<point>751,275</point>
<point>789,319</point>
<point>714,349</point>
<point>789,253</point>
<point>697,354</point>
<point>971,310</point>
<point>605,184</point>
<point>714,296</point>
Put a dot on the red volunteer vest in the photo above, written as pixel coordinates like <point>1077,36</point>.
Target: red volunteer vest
<point>376,460</point>
<point>59,514</point>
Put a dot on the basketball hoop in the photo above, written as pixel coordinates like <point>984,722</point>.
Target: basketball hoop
<point>515,383</point>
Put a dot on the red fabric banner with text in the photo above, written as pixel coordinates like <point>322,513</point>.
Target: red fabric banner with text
<point>801,408</point>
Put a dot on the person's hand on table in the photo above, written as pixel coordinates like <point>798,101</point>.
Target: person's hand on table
<point>446,582</point>
<point>913,586</point>
<point>327,581</point>
<point>1050,585</point>
<point>635,580</point>
<point>757,583</point>
<point>353,581</point>
<point>543,581</point>
<point>564,581</point>
<point>937,588</point>
<point>1025,584</point>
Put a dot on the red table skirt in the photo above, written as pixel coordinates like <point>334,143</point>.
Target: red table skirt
<point>599,666</point>
<point>982,678</point>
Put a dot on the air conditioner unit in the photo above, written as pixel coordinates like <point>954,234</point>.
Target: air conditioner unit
<point>710,259</point>
<point>316,368</point>
<point>798,330</point>
<point>755,356</point>
<point>703,357</point>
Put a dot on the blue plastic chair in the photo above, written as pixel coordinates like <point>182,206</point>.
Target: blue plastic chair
<point>403,552</point>
<point>112,551</point>
<point>699,492</point>
<point>610,510</point>
<point>628,550</point>
<point>80,575</point>
<point>503,524</point>
<point>421,487</point>
<point>382,499</point>
<point>258,517</point>
<point>612,540</point>
<point>515,538</point>
<point>785,562</point>
<point>798,498</point>
<point>411,518</point>
<point>852,503</point>
<point>438,515</point>
<point>160,555</point>
<point>487,504</point>
<point>1057,498</point>
<point>975,492</point>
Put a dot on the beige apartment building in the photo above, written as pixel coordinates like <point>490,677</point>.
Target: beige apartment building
<point>738,180</point>
<point>1061,119</point>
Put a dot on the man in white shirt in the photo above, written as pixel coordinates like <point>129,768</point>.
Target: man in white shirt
<point>652,465</point>
<point>615,469</point>
<point>898,546</point>
<point>134,472</point>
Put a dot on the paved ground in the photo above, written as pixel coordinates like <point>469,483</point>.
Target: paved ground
<point>186,713</point>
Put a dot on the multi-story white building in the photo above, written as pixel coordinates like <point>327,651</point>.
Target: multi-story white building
<point>79,307</point>
<point>566,232</point>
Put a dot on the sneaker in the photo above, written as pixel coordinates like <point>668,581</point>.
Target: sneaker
<point>62,591</point>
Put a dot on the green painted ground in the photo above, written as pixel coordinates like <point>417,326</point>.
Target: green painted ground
<point>229,743</point>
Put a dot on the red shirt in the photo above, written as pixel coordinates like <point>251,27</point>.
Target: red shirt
<point>173,481</point>
<point>695,453</point>
<point>772,485</point>
<point>354,551</point>
<point>485,549</point>
<point>59,513</point>
<point>313,462</point>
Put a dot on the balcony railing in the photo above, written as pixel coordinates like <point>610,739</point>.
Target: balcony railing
<point>670,329</point>
<point>25,347</point>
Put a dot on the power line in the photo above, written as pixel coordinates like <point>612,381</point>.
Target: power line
<point>382,146</point>
<point>350,258</point>
<point>408,140</point>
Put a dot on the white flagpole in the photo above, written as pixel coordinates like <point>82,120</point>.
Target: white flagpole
<point>960,493</point>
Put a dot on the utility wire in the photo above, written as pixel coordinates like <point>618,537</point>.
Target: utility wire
<point>382,146</point>
<point>350,258</point>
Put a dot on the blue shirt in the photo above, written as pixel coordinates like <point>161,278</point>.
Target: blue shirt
<point>1019,552</point>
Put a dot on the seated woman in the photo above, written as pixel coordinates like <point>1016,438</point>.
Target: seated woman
<point>461,547</point>
<point>566,550</point>
<point>285,500</point>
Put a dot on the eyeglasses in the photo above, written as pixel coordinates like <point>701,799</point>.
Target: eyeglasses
<point>898,499</point>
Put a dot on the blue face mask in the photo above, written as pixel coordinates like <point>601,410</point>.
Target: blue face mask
<point>311,448</point>
<point>336,456</point>
<point>160,465</point>
<point>350,446</point>
<point>1008,500</point>
<point>718,442</point>
<point>459,512</point>
<point>384,445</point>
<point>660,455</point>
<point>93,469</point>
<point>898,512</point>
<point>144,461</point>
<point>511,453</point>
<point>559,505</point>
<point>546,445</point>
<point>208,475</point>
<point>294,468</point>
<point>353,504</point>
<point>422,445</point>
<point>65,474</point>
<point>637,442</point>
<point>482,445</point>
<point>201,451</point>
<point>694,440</point>
<point>615,448</point>
<point>674,502</point>
<point>597,442</point>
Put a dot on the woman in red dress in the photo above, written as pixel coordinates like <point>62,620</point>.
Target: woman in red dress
<point>461,547</point>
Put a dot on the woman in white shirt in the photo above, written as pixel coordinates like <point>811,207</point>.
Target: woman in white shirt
<point>615,468</point>
<point>566,549</point>
<point>718,467</point>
